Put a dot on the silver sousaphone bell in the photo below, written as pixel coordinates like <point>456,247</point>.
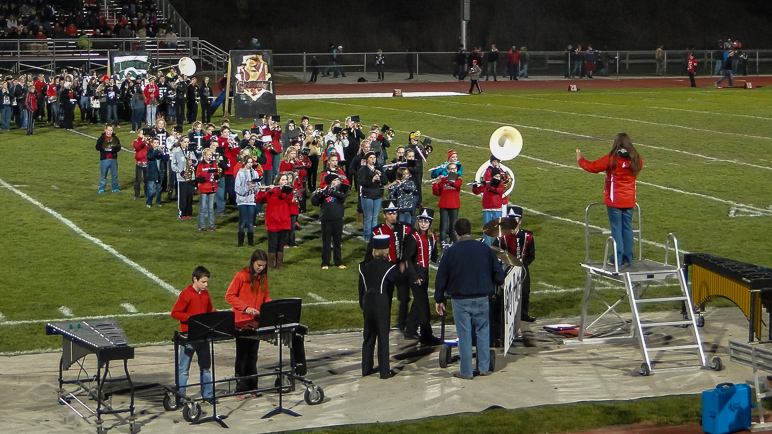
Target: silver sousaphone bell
<point>505,144</point>
<point>187,66</point>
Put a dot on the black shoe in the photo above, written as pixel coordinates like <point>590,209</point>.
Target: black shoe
<point>411,336</point>
<point>527,318</point>
<point>432,341</point>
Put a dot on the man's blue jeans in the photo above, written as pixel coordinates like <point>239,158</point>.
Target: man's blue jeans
<point>6,118</point>
<point>524,71</point>
<point>112,166</point>
<point>472,314</point>
<point>370,208</point>
<point>621,221</point>
<point>204,363</point>
<point>205,209</point>
<point>727,74</point>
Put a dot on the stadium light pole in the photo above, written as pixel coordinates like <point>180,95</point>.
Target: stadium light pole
<point>465,12</point>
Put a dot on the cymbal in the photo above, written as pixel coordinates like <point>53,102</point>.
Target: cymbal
<point>506,257</point>
<point>499,227</point>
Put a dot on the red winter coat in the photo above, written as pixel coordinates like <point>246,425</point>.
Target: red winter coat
<point>210,178</point>
<point>277,209</point>
<point>151,93</point>
<point>286,166</point>
<point>231,153</point>
<point>492,197</point>
<point>140,150</point>
<point>240,296</point>
<point>620,184</point>
<point>448,193</point>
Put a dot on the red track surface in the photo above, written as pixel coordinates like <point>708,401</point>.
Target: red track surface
<point>523,84</point>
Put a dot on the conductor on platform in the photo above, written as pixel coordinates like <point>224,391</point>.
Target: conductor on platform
<point>468,274</point>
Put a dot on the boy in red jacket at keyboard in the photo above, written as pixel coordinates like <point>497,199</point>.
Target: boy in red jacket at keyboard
<point>194,300</point>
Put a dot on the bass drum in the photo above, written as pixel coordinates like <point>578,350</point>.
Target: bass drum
<point>509,183</point>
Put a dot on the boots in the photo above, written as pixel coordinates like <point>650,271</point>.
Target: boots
<point>360,220</point>
<point>251,238</point>
<point>271,261</point>
<point>280,260</point>
<point>241,239</point>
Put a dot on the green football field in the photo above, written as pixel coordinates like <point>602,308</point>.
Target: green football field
<point>71,253</point>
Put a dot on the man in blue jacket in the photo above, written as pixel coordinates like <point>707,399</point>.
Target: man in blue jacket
<point>468,273</point>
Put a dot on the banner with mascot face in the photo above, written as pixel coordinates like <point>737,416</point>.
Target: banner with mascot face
<point>252,80</point>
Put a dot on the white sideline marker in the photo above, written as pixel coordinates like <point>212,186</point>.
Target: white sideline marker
<point>129,307</point>
<point>94,240</point>
<point>64,310</point>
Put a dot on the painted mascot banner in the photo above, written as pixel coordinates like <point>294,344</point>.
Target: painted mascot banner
<point>253,91</point>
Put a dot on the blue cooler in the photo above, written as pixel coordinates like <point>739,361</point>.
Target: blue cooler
<point>726,409</point>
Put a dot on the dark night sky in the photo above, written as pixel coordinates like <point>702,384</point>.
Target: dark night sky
<point>434,25</point>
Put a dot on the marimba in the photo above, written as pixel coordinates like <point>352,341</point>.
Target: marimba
<point>106,340</point>
<point>746,285</point>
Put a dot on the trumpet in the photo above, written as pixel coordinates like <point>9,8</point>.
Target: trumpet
<point>358,126</point>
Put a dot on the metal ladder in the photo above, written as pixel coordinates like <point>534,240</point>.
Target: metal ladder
<point>635,294</point>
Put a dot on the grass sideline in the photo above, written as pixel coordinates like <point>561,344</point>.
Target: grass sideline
<point>703,150</point>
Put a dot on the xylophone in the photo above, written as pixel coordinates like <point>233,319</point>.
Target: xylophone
<point>107,341</point>
<point>746,285</point>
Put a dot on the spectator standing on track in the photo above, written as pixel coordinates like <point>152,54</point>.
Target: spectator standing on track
<point>691,65</point>
<point>524,56</point>
<point>513,60</point>
<point>726,69</point>
<point>379,62</point>
<point>493,59</point>
<point>567,58</point>
<point>659,56</point>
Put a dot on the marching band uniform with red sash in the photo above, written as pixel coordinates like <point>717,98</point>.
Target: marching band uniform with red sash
<point>377,278</point>
<point>398,233</point>
<point>420,250</point>
<point>521,245</point>
<point>492,191</point>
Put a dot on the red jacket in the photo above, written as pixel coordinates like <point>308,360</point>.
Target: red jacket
<point>151,93</point>
<point>341,174</point>
<point>277,209</point>
<point>493,198</point>
<point>231,153</point>
<point>513,56</point>
<point>209,184</point>
<point>140,148</point>
<point>620,184</point>
<point>189,303</point>
<point>31,102</point>
<point>448,193</point>
<point>240,296</point>
<point>286,166</point>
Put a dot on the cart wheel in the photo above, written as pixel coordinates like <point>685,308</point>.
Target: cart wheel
<point>645,370</point>
<point>492,364</point>
<point>191,412</point>
<point>314,395</point>
<point>717,364</point>
<point>133,428</point>
<point>284,382</point>
<point>100,429</point>
<point>444,356</point>
<point>701,321</point>
<point>171,402</point>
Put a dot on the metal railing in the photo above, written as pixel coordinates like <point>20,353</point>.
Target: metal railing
<point>172,16</point>
<point>35,55</point>
<point>542,63</point>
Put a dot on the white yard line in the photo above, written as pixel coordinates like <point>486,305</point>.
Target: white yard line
<point>142,270</point>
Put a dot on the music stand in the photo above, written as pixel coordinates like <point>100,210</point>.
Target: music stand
<point>211,327</point>
<point>275,314</point>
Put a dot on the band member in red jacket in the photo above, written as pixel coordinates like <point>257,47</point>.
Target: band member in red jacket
<point>622,166</point>
<point>230,147</point>
<point>207,175</point>
<point>331,168</point>
<point>151,93</point>
<point>246,293</point>
<point>449,192</point>
<point>420,250</point>
<point>493,197</point>
<point>519,242</point>
<point>277,199</point>
<point>141,144</point>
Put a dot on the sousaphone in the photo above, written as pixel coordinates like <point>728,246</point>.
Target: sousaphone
<point>187,66</point>
<point>505,144</point>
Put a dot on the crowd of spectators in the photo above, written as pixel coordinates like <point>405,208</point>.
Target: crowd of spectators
<point>59,19</point>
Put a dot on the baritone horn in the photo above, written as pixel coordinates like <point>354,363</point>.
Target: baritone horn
<point>187,66</point>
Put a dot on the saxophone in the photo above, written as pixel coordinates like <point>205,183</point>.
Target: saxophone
<point>190,170</point>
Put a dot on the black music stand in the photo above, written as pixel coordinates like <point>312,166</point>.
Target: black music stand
<point>211,327</point>
<point>275,314</point>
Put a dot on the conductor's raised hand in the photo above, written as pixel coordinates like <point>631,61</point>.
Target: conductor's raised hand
<point>579,155</point>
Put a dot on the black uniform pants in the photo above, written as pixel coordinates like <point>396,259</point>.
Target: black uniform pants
<point>403,295</point>
<point>192,111</point>
<point>246,362</point>
<point>332,232</point>
<point>419,311</point>
<point>376,311</point>
<point>185,198</point>
<point>206,113</point>
<point>180,111</point>
<point>277,240</point>
<point>526,293</point>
